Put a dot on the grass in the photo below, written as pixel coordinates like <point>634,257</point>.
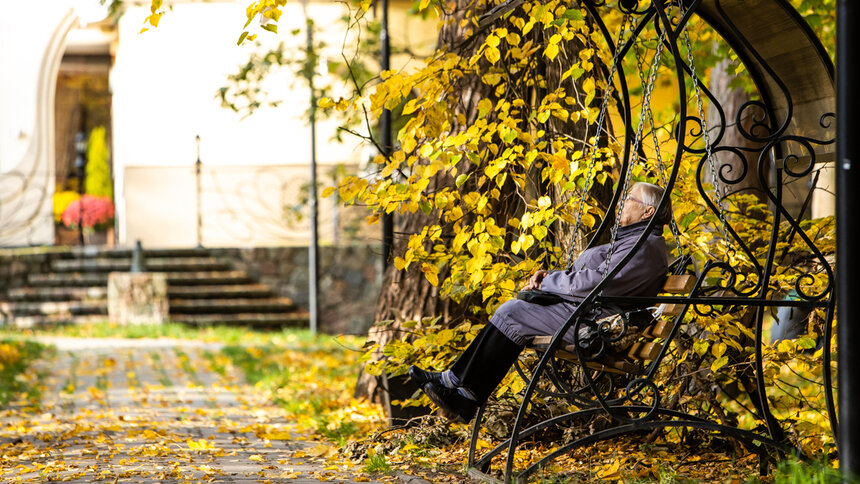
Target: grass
<point>376,463</point>
<point>793,471</point>
<point>231,335</point>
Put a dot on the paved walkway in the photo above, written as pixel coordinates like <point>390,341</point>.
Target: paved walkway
<point>154,411</point>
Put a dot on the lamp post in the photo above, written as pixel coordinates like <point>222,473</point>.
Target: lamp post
<point>313,249</point>
<point>80,166</point>
<point>198,167</point>
<point>847,217</point>
<point>385,128</point>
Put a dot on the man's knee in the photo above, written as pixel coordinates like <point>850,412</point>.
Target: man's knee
<point>512,306</point>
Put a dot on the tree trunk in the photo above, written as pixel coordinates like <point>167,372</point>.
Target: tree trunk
<point>407,295</point>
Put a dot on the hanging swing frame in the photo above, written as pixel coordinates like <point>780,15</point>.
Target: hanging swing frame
<point>777,129</point>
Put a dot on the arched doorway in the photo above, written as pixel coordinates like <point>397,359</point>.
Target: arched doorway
<point>83,129</point>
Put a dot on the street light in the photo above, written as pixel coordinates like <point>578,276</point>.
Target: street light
<point>385,127</point>
<point>198,167</point>
<point>80,166</point>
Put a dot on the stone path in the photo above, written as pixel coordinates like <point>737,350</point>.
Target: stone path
<point>155,411</point>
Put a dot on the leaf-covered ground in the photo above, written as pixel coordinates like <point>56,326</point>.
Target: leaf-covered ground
<point>233,405</point>
<point>148,410</point>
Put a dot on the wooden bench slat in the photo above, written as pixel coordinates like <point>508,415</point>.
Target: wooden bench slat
<point>682,284</point>
<point>660,329</point>
<point>644,350</point>
<point>542,340</point>
<point>612,366</point>
<point>672,309</point>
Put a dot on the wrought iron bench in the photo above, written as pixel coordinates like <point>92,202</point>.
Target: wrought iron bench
<point>637,405</point>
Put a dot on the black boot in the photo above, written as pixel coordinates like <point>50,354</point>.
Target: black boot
<point>485,362</point>
<point>456,406</point>
<point>423,377</point>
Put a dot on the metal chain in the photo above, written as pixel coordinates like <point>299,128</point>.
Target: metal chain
<point>660,169</point>
<point>637,140</point>
<point>705,134</point>
<point>600,119</point>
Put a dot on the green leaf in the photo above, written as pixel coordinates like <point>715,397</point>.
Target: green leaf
<point>572,14</point>
<point>806,343</point>
<point>686,220</point>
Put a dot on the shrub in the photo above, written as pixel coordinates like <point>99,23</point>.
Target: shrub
<point>90,211</point>
<point>62,200</point>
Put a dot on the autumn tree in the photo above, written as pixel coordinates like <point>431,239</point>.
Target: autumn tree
<point>499,171</point>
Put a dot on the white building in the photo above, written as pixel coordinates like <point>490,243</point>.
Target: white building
<point>156,91</point>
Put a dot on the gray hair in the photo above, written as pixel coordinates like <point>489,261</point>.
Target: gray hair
<point>651,195</point>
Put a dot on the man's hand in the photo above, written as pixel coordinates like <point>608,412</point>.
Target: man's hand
<point>534,282</point>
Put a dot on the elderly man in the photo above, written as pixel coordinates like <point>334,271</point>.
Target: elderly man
<point>482,366</point>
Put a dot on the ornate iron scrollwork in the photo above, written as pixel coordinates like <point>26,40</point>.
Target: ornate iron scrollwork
<point>785,138</point>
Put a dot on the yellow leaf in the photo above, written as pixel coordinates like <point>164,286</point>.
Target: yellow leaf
<point>610,471</point>
<point>492,54</point>
<point>719,363</point>
<point>399,263</point>
<point>256,458</point>
<point>718,349</point>
<point>277,435</point>
<point>551,51</point>
<point>786,346</point>
<point>328,191</point>
<point>201,444</point>
<point>325,103</point>
<point>321,450</point>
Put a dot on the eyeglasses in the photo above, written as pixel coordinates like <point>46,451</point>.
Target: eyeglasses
<point>631,197</point>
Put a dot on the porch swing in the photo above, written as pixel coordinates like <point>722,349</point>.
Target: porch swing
<point>619,348</point>
<point>632,343</point>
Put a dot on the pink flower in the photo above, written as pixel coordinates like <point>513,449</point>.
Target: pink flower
<point>89,211</point>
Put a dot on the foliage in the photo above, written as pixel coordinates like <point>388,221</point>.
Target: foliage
<point>312,381</point>
<point>62,199</point>
<point>821,16</point>
<point>98,180</point>
<point>89,211</point>
<point>16,380</point>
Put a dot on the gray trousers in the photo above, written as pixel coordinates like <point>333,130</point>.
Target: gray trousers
<point>521,321</point>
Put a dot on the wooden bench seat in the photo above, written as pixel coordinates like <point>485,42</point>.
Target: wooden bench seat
<point>639,351</point>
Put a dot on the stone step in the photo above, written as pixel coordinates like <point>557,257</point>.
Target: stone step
<point>57,293</point>
<point>59,308</point>
<point>25,322</point>
<point>231,306</point>
<point>162,264</point>
<point>90,252</point>
<point>293,319</point>
<point>220,291</point>
<point>67,280</point>
<point>208,278</point>
<point>197,278</point>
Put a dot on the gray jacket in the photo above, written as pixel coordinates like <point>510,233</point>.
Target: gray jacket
<point>643,275</point>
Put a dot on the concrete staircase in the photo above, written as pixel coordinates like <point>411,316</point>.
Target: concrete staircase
<point>203,290</point>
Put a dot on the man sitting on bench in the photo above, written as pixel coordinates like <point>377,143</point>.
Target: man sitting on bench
<point>470,381</point>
